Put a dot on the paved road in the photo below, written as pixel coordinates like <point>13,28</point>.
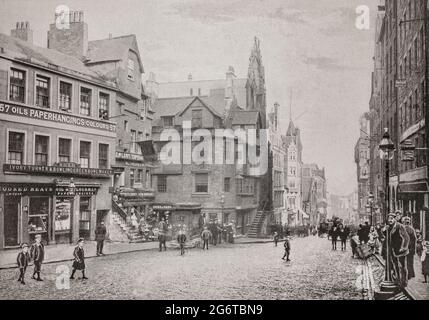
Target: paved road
<point>240,271</point>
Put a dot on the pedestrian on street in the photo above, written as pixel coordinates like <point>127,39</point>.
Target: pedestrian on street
<point>360,233</point>
<point>37,253</point>
<point>181,239</point>
<point>22,260</point>
<point>276,238</point>
<point>334,237</point>
<point>343,233</point>
<point>287,247</point>
<point>367,229</point>
<point>373,239</point>
<point>419,243</point>
<point>162,235</point>
<point>206,235</point>
<point>399,241</point>
<point>354,243</point>
<point>219,231</point>
<point>79,259</point>
<point>411,247</point>
<point>425,261</point>
<point>100,236</point>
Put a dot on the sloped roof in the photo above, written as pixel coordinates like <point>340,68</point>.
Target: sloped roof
<point>25,51</point>
<point>245,117</point>
<point>113,49</point>
<point>171,106</point>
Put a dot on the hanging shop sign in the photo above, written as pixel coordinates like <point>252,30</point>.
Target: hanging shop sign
<point>54,116</point>
<point>58,170</point>
<point>66,191</point>
<point>129,156</point>
<point>18,189</point>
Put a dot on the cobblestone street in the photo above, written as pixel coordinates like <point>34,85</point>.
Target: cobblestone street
<point>242,271</point>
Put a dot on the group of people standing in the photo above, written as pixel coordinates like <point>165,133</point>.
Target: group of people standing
<point>340,232</point>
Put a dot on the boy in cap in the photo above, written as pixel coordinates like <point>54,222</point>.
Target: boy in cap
<point>22,260</point>
<point>79,259</point>
<point>37,253</point>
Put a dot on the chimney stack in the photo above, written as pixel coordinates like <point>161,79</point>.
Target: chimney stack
<point>23,32</point>
<point>190,77</point>
<point>70,34</point>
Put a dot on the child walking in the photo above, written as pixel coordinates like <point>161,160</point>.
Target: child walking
<point>22,260</point>
<point>37,253</point>
<point>79,259</point>
<point>287,249</point>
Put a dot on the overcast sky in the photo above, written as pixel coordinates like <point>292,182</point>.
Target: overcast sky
<point>311,47</point>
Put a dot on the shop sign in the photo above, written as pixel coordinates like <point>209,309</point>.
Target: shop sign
<point>54,116</point>
<point>162,207</point>
<point>27,188</point>
<point>58,170</point>
<point>129,156</point>
<point>64,191</point>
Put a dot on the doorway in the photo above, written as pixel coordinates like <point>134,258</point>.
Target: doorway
<point>11,220</point>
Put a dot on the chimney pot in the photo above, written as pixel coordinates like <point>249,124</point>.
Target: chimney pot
<point>190,77</point>
<point>110,36</point>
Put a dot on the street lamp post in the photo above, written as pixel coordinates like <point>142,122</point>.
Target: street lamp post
<point>371,207</point>
<point>387,149</point>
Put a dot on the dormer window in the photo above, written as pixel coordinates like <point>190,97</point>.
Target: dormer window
<point>167,121</point>
<point>130,69</point>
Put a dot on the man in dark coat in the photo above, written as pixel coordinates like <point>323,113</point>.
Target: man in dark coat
<point>206,235</point>
<point>79,259</point>
<point>100,236</point>
<point>37,253</point>
<point>399,242</point>
<point>22,260</point>
<point>411,247</point>
<point>162,235</point>
<point>334,236</point>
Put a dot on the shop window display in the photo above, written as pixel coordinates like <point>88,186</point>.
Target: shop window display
<point>38,212</point>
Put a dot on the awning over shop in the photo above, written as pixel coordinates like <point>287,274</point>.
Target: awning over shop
<point>411,191</point>
<point>417,187</point>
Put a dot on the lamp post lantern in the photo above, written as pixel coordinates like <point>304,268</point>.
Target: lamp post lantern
<point>387,149</point>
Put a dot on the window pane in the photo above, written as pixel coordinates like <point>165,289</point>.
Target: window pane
<point>201,182</point>
<point>16,148</point>
<point>85,101</point>
<point>103,154</point>
<point>41,150</point>
<point>162,183</point>
<point>65,96</point>
<point>85,150</point>
<point>17,86</point>
<point>42,92</point>
<point>64,150</point>
<point>103,106</point>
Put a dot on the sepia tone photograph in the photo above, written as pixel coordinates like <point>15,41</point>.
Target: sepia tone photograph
<point>226,151</point>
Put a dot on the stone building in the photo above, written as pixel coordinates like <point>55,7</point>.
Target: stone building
<point>314,190</point>
<point>227,190</point>
<point>57,147</point>
<point>362,160</point>
<point>117,59</point>
<point>278,154</point>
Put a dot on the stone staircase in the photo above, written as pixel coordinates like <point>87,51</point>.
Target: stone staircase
<point>255,228</point>
<point>119,217</point>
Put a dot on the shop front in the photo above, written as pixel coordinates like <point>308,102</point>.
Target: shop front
<point>413,201</point>
<point>47,209</point>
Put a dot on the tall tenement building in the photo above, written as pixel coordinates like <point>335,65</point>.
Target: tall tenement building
<point>72,120</point>
<point>399,103</point>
